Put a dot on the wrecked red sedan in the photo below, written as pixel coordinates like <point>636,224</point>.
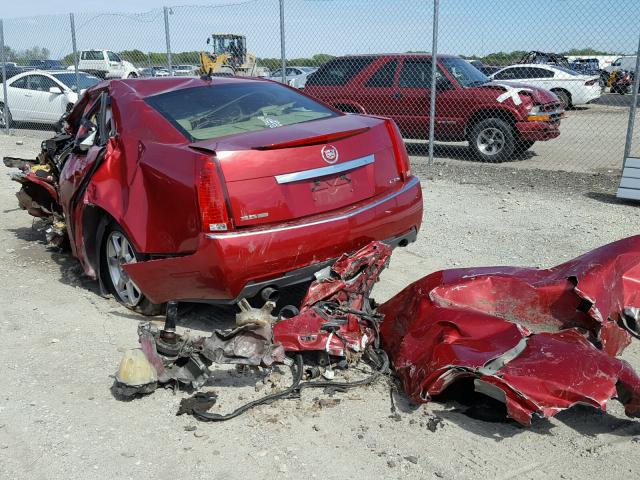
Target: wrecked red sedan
<point>216,189</point>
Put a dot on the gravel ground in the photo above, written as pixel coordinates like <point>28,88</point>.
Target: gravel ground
<point>63,342</point>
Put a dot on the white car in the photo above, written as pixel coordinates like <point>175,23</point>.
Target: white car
<point>295,76</point>
<point>571,88</point>
<point>185,70</point>
<point>42,97</point>
<point>105,64</point>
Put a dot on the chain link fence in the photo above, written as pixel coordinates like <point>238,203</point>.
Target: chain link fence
<point>524,84</point>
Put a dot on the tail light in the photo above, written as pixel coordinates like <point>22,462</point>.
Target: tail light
<point>591,82</point>
<point>399,150</point>
<point>211,199</point>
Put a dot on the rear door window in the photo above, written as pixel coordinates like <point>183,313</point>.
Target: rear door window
<point>384,76</point>
<point>92,55</point>
<point>20,83</point>
<point>511,73</point>
<point>340,71</point>
<point>540,73</point>
<point>202,113</point>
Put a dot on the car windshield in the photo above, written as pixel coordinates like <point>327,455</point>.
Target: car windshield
<point>466,74</point>
<point>69,79</point>
<point>202,113</point>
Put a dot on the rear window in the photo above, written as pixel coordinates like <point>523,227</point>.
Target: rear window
<point>339,71</point>
<point>202,113</point>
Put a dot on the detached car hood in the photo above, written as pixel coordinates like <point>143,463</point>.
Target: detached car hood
<point>539,95</point>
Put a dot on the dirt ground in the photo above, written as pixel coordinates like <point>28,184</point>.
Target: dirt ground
<point>63,342</point>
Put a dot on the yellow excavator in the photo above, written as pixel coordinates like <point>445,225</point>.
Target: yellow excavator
<point>230,57</point>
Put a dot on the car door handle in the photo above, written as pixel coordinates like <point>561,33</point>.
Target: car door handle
<point>28,95</point>
<point>396,96</point>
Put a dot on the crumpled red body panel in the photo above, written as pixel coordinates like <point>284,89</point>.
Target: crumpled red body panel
<point>334,315</point>
<point>539,340</point>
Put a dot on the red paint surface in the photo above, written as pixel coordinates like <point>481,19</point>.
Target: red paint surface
<point>330,317</point>
<point>454,323</point>
<point>147,184</point>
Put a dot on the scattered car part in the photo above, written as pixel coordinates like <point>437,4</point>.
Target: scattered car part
<point>538,340</point>
<point>336,326</point>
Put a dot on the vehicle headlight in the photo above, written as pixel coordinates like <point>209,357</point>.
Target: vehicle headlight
<point>537,115</point>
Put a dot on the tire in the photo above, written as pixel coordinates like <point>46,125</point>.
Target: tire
<point>117,250</point>
<point>132,75</point>
<point>523,145</point>
<point>492,140</point>
<point>3,122</point>
<point>564,97</point>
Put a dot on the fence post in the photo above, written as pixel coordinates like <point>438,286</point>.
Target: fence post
<point>75,51</point>
<point>283,58</point>
<point>632,109</point>
<point>168,39</point>
<point>434,70</point>
<point>3,59</point>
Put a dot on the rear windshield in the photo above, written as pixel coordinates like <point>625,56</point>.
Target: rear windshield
<point>339,71</point>
<point>202,113</point>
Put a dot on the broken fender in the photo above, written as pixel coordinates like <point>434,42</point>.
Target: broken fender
<point>538,340</point>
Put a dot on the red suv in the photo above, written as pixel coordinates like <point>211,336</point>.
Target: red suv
<point>497,120</point>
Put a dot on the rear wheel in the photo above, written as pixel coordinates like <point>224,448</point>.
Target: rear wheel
<point>492,140</point>
<point>5,118</point>
<point>564,97</point>
<point>118,251</point>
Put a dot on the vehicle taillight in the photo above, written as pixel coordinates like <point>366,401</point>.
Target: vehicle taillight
<point>213,210</point>
<point>399,150</point>
<point>591,82</point>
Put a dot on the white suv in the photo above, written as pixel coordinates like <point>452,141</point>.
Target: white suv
<point>105,64</point>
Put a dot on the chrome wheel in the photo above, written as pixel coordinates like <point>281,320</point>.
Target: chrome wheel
<point>3,119</point>
<point>490,141</point>
<point>120,252</point>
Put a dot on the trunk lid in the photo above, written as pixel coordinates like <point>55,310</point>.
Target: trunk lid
<point>286,173</point>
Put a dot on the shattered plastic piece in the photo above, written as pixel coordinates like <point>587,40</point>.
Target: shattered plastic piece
<point>538,340</point>
<point>136,374</point>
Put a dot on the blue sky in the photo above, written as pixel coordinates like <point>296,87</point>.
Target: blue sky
<point>331,26</point>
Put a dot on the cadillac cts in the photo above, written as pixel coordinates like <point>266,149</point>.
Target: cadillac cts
<point>213,190</point>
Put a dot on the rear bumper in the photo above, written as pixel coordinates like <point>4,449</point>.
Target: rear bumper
<point>232,265</point>
<point>537,131</point>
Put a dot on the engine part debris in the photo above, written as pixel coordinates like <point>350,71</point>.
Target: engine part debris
<point>259,316</point>
<point>336,326</point>
<point>201,401</point>
<point>540,341</point>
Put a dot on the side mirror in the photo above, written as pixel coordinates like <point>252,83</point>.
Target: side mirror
<point>55,90</point>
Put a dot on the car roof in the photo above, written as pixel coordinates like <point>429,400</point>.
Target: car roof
<point>147,87</point>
